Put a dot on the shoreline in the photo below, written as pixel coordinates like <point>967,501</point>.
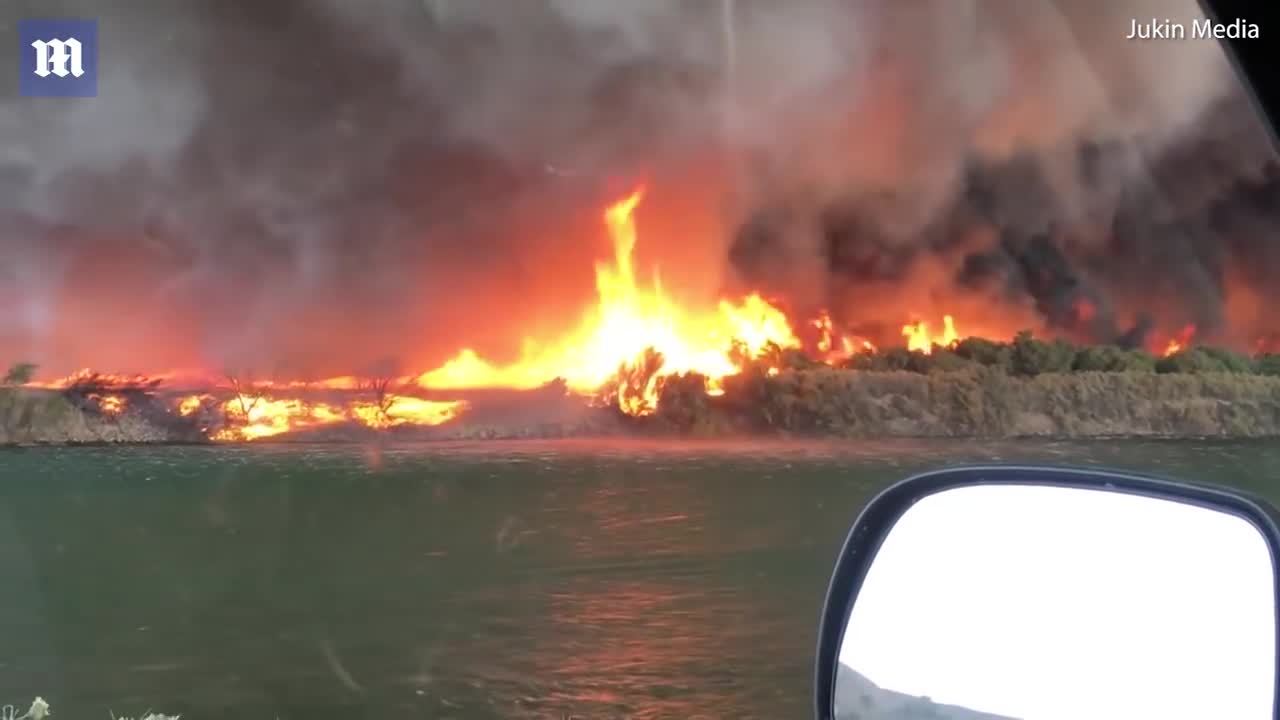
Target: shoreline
<point>810,403</point>
<point>637,440</point>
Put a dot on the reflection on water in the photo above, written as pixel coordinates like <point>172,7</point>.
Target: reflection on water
<point>480,580</point>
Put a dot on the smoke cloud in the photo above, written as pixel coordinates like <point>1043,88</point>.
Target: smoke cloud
<point>313,186</point>
<point>1031,159</point>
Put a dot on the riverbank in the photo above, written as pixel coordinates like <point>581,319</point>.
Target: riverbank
<point>40,416</point>
<point>980,402</point>
<point>983,402</point>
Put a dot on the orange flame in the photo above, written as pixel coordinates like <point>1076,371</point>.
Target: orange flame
<point>259,417</point>
<point>110,404</point>
<point>188,405</point>
<point>832,346</point>
<point>626,342</point>
<point>823,323</point>
<point>99,380</point>
<point>919,338</point>
<point>250,418</point>
<point>1181,342</point>
<point>627,320</point>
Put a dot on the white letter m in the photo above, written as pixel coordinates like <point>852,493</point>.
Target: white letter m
<point>53,56</point>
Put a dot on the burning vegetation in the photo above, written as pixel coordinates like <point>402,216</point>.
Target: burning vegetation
<point>637,353</point>
<point>627,345</point>
<point>831,189</point>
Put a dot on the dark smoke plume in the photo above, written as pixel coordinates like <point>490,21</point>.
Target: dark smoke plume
<point>312,185</point>
<point>1033,158</point>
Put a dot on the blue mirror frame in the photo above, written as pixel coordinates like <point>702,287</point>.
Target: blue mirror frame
<point>882,513</point>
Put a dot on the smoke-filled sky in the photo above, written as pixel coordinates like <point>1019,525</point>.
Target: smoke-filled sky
<point>310,186</point>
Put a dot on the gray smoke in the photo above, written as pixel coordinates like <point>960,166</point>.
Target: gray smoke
<point>1033,160</point>
<point>311,185</point>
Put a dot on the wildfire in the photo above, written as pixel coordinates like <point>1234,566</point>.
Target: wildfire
<point>89,378</point>
<point>919,338</point>
<point>834,347</point>
<point>266,408</point>
<point>191,403</point>
<point>628,320</point>
<point>1181,342</point>
<point>110,404</point>
<point>631,337</point>
<point>400,410</point>
<point>251,418</point>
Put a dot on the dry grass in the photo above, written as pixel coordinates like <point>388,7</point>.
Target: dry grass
<point>984,402</point>
<point>976,401</point>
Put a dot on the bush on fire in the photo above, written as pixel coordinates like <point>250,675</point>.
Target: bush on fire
<point>985,387</point>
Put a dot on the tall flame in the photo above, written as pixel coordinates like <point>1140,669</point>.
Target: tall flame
<point>833,346</point>
<point>628,320</point>
<point>1181,342</point>
<point>626,342</point>
<point>251,418</point>
<point>918,337</point>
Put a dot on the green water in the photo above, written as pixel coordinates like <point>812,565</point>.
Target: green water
<point>487,580</point>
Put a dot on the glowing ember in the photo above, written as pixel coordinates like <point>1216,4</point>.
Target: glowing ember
<point>823,324</point>
<point>87,377</point>
<point>833,347</point>
<point>250,418</point>
<point>188,405</point>
<point>628,320</point>
<point>919,338</point>
<point>1267,344</point>
<point>400,410</point>
<point>110,404</point>
<point>1181,342</point>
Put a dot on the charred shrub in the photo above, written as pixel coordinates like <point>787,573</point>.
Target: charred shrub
<point>1231,361</point>
<point>891,360</point>
<point>1030,356</point>
<point>1267,364</point>
<point>683,402</point>
<point>748,395</point>
<point>796,359</point>
<point>19,374</point>
<point>771,357</point>
<point>940,360</point>
<point>1109,358</point>
<point>1193,361</point>
<point>984,352</point>
<point>870,361</point>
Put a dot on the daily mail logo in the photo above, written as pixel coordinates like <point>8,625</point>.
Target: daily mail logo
<point>59,58</point>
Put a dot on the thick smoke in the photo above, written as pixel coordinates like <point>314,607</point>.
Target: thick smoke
<point>1029,166</point>
<point>316,185</point>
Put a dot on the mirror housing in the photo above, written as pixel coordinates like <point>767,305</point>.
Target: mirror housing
<point>944,527</point>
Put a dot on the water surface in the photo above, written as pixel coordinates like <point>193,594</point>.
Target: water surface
<point>481,580</point>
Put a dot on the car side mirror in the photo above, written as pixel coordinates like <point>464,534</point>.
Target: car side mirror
<point>1042,593</point>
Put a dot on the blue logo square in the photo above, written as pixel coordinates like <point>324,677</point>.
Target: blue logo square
<point>58,58</point>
